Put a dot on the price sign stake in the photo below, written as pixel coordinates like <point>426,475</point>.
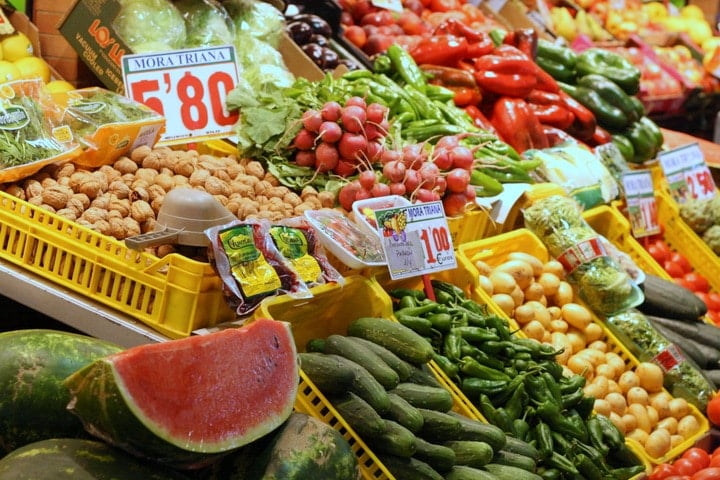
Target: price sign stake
<point>188,87</point>
<point>415,239</point>
<point>641,204</point>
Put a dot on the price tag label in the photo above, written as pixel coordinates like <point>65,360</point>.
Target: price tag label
<point>392,5</point>
<point>188,87</point>
<point>687,173</point>
<point>496,5</point>
<point>415,239</point>
<point>641,204</point>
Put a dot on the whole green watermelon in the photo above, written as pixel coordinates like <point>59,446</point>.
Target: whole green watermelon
<point>33,399</point>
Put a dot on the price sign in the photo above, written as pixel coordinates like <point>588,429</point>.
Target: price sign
<point>415,239</point>
<point>687,173</point>
<point>188,87</point>
<point>496,5</point>
<point>641,204</point>
<point>392,5</point>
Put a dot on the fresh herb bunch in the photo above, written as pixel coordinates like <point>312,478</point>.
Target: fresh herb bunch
<point>103,107</point>
<point>29,143</point>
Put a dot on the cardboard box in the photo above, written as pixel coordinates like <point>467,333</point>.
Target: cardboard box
<point>88,27</point>
<point>711,9</point>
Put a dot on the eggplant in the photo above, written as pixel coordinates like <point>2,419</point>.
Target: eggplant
<point>300,32</point>
<point>329,59</point>
<point>314,52</point>
<point>316,23</point>
<point>321,40</point>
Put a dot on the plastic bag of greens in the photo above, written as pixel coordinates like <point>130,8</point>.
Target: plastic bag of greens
<point>682,378</point>
<point>32,133</point>
<point>150,25</point>
<point>207,23</point>
<point>601,282</point>
<point>257,18</point>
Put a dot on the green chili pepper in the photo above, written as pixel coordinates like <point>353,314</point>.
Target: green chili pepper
<point>543,438</point>
<point>476,334</point>
<point>399,293</point>
<point>407,302</point>
<point>441,321</point>
<point>607,115</point>
<point>570,400</point>
<point>625,146</point>
<point>484,184</point>
<point>559,58</point>
<point>448,367</point>
<point>438,93</point>
<point>406,68</point>
<point>381,64</point>
<point>550,474</point>
<point>521,429</point>
<point>514,404</point>
<point>585,406</point>
<point>550,413</point>
<point>447,287</point>
<point>612,435</point>
<point>654,129</point>
<point>417,311</point>
<point>626,473</point>
<point>587,468</point>
<point>561,462</point>
<point>573,418</point>
<point>452,346</point>
<point>595,433</point>
<point>473,387</point>
<point>470,366</point>
<point>421,325</point>
<point>611,93</point>
<point>503,420</point>
<point>482,357</point>
<point>571,384</point>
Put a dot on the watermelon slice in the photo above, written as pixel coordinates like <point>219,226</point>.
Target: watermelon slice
<point>182,400</point>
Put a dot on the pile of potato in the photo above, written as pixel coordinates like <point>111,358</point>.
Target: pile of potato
<point>123,199</point>
<point>536,295</point>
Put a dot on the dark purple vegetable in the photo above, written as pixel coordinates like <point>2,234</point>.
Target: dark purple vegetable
<point>329,59</point>
<point>300,32</point>
<point>321,40</point>
<point>317,23</point>
<point>314,51</point>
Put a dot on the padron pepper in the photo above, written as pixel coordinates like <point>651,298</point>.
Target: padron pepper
<point>557,60</point>
<point>506,71</point>
<point>611,65</point>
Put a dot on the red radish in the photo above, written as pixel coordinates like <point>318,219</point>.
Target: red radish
<point>413,155</point>
<point>330,132</point>
<point>384,126</point>
<point>352,146</point>
<point>380,190</point>
<point>346,195</point>
<point>441,158</point>
<point>426,195</point>
<point>304,140</point>
<point>367,179</point>
<point>461,157</point>
<point>376,112</point>
<point>470,193</point>
<point>331,111</point>
<point>311,120</point>
<point>412,180</point>
<point>374,151</point>
<point>373,132</point>
<point>353,118</point>
<point>344,168</point>
<point>457,180</point>
<point>429,173</point>
<point>454,204</point>
<point>397,188</point>
<point>394,171</point>
<point>363,194</point>
<point>326,157</point>
<point>441,185</point>
<point>448,142</point>
<point>389,156</point>
<point>357,101</point>
<point>305,158</point>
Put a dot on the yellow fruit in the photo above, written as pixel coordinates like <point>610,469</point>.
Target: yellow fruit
<point>59,86</point>
<point>692,11</point>
<point>655,10</point>
<point>8,71</point>
<point>33,67</point>
<point>16,46</point>
<point>699,30</point>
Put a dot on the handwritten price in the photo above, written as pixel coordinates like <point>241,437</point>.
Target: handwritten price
<point>700,182</point>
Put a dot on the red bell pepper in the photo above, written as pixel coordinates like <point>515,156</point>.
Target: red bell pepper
<point>600,136</point>
<point>554,115</point>
<point>545,81</point>
<point>479,43</point>
<point>479,119</point>
<point>507,71</point>
<point>584,125</point>
<point>524,39</point>
<point>465,96</point>
<point>445,50</point>
<point>516,124</point>
<point>449,76</point>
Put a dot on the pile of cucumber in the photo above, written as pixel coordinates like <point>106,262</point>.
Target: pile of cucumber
<point>378,379</point>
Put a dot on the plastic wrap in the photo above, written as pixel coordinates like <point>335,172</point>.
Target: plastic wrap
<point>602,283</point>
<point>207,23</point>
<point>150,25</point>
<point>250,266</point>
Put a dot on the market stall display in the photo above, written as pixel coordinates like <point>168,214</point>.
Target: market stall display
<point>551,349</point>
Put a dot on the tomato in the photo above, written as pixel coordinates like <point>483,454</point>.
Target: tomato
<point>714,461</point>
<point>686,466</point>
<point>662,471</point>
<point>699,455</point>
<point>673,269</point>
<point>704,297</point>
<point>707,474</point>
<point>683,283</point>
<point>445,5</point>
<point>713,410</point>
<point>713,301</point>
<point>663,248</point>
<point>355,35</point>
<point>681,260</point>
<point>659,253</point>
<point>714,316</point>
<point>699,282</point>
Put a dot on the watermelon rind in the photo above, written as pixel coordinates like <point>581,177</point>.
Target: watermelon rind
<point>33,399</point>
<point>122,401</point>
<point>79,459</point>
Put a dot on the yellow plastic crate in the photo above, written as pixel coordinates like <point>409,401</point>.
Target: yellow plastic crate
<point>330,311</point>
<point>174,294</point>
<point>473,224</point>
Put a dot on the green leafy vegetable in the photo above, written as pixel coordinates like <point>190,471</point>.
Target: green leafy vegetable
<point>23,137</point>
<point>207,23</point>
<point>257,18</point>
<point>150,25</point>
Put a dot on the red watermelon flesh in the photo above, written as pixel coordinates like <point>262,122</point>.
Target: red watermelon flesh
<point>208,393</point>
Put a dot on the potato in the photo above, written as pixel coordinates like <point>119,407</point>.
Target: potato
<point>658,443</point>
<point>485,284</point>
<point>502,282</point>
<point>524,314</point>
<point>641,417</point>
<point>602,406</point>
<point>637,395</point>
<point>534,291</point>
<point>638,435</point>
<point>554,267</point>
<point>628,380</point>
<point>651,376</point>
<point>505,302</point>
<point>534,262</point>
<point>617,401</point>
<point>670,424</point>
<point>679,407</point>
<point>520,270</point>
<point>549,282</point>
<point>576,315</point>
<point>564,294</point>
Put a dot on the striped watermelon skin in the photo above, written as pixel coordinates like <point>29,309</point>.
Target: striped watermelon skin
<point>186,402</point>
<point>79,459</point>
<point>33,399</point>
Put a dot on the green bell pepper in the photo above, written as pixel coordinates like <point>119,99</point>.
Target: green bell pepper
<point>611,93</point>
<point>643,141</point>
<point>625,146</point>
<point>607,115</point>
<point>611,65</point>
<point>556,60</point>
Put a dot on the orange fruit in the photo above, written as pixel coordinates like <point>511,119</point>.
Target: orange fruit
<point>33,67</point>
<point>16,46</point>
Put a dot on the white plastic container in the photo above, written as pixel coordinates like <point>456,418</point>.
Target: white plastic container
<point>364,210</point>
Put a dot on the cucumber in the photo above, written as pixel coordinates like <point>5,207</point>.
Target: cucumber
<point>401,367</point>
<point>471,453</point>
<point>395,440</point>
<point>471,429</point>
<point>438,426</point>
<point>422,375</point>
<point>440,457</point>
<point>408,468</point>
<point>361,417</point>
<point>365,386</point>
<point>329,373</point>
<point>504,457</point>
<point>399,339</point>
<point>405,414</point>
<point>360,354</point>
<point>423,396</point>
<point>508,472</point>
<point>315,345</point>
<point>667,299</point>
<point>516,445</point>
<point>701,332</point>
<point>702,355</point>
<point>463,472</point>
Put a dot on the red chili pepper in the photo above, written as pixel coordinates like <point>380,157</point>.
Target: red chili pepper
<point>445,50</point>
<point>583,127</point>
<point>479,119</point>
<point>517,125</point>
<point>465,96</point>
<point>600,136</point>
<point>506,72</point>
<point>555,115</point>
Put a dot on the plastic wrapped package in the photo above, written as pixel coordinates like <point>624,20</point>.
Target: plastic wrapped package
<point>602,283</point>
<point>150,25</point>
<point>207,23</point>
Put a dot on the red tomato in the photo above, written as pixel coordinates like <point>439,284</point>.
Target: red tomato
<point>683,283</point>
<point>445,5</point>
<point>379,18</point>
<point>662,471</point>
<point>663,247</point>
<point>714,316</point>
<point>713,301</point>
<point>658,253</point>
<point>712,473</point>
<point>356,35</point>
<point>704,297</point>
<point>673,269</point>
<point>699,283</point>
<point>699,455</point>
<point>681,260</point>
<point>686,466</point>
<point>713,411</point>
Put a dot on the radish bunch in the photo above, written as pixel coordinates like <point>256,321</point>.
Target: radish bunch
<point>341,139</point>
